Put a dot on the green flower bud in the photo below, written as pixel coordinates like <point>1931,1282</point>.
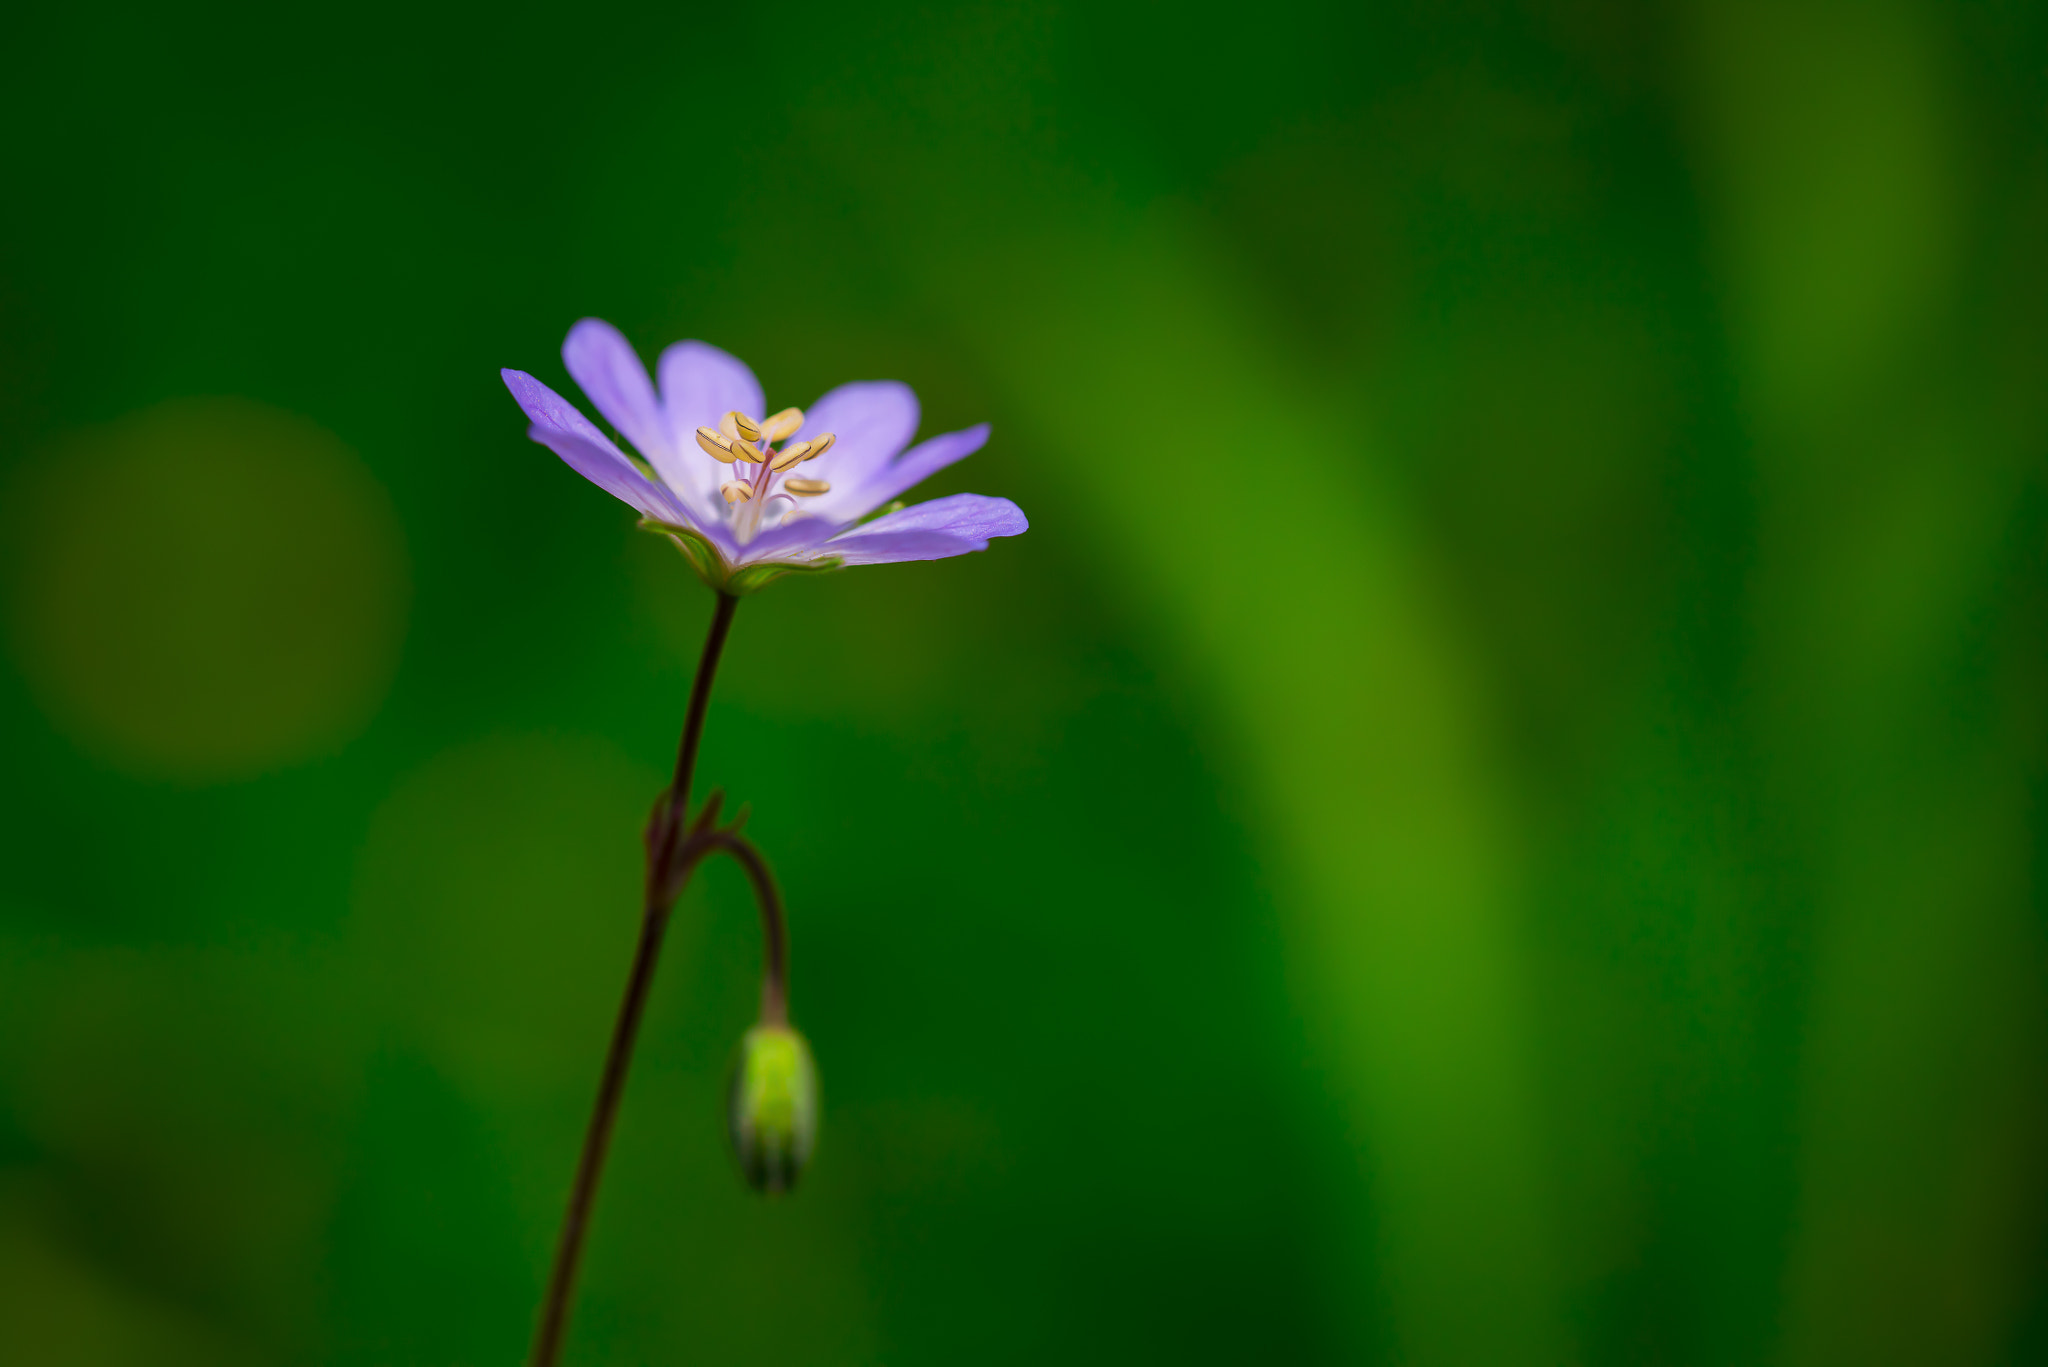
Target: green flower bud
<point>773,1107</point>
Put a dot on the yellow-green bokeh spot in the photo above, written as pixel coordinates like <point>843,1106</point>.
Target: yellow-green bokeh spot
<point>205,591</point>
<point>494,904</point>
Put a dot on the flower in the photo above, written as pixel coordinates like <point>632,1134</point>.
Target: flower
<point>715,481</point>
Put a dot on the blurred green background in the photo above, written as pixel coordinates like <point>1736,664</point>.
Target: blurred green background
<point>1494,817</point>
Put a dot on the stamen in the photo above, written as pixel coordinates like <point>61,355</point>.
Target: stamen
<point>790,455</point>
<point>807,488</point>
<point>819,446</point>
<point>747,451</point>
<point>716,444</point>
<point>744,425</point>
<point>783,424</point>
<point>736,490</point>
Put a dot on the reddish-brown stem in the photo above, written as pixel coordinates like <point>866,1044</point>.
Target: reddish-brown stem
<point>664,884</point>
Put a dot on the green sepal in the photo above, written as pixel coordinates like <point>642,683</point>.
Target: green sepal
<point>702,555</point>
<point>752,577</point>
<point>720,577</point>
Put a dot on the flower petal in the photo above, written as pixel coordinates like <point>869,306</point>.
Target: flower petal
<point>972,515</point>
<point>892,547</point>
<point>946,526</point>
<point>601,360</point>
<point>548,409</point>
<point>615,475</point>
<point>788,541</point>
<point>699,385</point>
<point>850,498</point>
<point>870,420</point>
<point>590,453</point>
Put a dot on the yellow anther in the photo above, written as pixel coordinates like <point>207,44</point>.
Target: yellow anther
<point>736,490</point>
<point>783,424</point>
<point>743,426</point>
<point>819,446</point>
<point>807,488</point>
<point>789,455</point>
<point>716,444</point>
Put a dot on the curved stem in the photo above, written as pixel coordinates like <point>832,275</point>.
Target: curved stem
<point>774,933</point>
<point>662,836</point>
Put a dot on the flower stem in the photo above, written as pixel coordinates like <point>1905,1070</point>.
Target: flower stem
<point>663,833</point>
<point>774,934</point>
<point>693,720</point>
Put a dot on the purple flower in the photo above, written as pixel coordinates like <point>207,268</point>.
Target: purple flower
<point>743,509</point>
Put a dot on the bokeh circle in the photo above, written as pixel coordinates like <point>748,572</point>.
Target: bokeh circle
<point>205,591</point>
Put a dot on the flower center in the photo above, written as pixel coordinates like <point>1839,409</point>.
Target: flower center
<point>739,441</point>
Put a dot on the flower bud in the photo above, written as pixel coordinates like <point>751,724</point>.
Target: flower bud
<point>773,1107</point>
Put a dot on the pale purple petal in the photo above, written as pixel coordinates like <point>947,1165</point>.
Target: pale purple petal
<point>719,532</point>
<point>699,385</point>
<point>559,427</point>
<point>548,409</point>
<point>978,516</point>
<point>789,541</point>
<point>601,360</point>
<point>946,526</point>
<point>851,497</point>
<point>870,420</point>
<point>892,547</point>
<point>615,475</point>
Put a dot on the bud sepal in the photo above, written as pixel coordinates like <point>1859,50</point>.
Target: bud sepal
<point>772,1107</point>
